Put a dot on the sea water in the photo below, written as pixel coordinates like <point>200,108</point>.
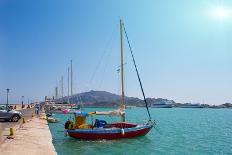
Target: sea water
<point>178,131</point>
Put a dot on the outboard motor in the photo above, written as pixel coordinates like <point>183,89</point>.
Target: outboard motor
<point>68,125</point>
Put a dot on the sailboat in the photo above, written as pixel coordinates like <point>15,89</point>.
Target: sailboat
<point>100,129</point>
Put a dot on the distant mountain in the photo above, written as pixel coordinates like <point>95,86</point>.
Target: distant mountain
<point>104,98</point>
<point>107,99</point>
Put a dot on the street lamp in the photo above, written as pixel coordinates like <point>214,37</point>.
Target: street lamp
<point>22,101</point>
<point>28,103</point>
<point>7,92</point>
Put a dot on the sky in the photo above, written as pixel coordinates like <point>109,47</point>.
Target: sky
<point>182,48</point>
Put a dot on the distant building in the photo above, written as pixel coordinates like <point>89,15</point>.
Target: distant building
<point>49,101</point>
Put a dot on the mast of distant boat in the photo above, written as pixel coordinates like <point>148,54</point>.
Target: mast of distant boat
<point>68,85</point>
<point>62,88</point>
<point>56,93</point>
<point>71,83</point>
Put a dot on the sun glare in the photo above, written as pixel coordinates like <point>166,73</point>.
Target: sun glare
<point>221,13</point>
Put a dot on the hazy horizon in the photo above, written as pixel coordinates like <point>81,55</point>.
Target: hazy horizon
<point>182,48</point>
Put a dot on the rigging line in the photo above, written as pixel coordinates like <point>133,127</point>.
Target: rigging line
<point>64,86</point>
<point>79,97</point>
<point>80,100</point>
<point>137,72</point>
<point>103,54</point>
<point>105,70</point>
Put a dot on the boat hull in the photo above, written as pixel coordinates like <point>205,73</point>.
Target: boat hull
<point>161,106</point>
<point>113,133</point>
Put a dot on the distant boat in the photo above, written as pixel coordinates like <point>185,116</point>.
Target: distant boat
<point>189,105</point>
<point>76,107</point>
<point>130,107</point>
<point>52,120</point>
<point>161,105</point>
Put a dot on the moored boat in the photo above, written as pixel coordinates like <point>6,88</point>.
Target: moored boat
<point>161,105</point>
<point>52,120</point>
<point>189,105</point>
<point>100,129</point>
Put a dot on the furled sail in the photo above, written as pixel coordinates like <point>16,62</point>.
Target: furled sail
<point>117,112</point>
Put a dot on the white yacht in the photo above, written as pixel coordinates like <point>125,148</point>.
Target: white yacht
<point>161,105</point>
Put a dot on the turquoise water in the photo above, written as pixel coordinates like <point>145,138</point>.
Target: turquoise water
<point>178,131</point>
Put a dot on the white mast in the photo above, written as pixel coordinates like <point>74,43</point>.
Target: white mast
<point>71,82</point>
<point>122,67</point>
<point>56,92</point>
<point>62,88</point>
<point>68,84</point>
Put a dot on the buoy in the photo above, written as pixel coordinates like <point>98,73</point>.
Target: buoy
<point>11,131</point>
<point>122,132</point>
<point>24,120</point>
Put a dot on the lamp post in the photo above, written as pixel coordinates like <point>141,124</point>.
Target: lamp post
<point>28,103</point>
<point>22,101</point>
<point>7,92</point>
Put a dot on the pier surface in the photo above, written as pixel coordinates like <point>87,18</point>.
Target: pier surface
<point>32,138</point>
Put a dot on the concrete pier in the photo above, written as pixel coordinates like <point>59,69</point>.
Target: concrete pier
<point>5,126</point>
<point>32,138</point>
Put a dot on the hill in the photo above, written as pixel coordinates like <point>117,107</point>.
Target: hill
<point>104,98</point>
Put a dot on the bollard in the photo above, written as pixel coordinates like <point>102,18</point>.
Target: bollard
<point>11,131</point>
<point>24,120</point>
